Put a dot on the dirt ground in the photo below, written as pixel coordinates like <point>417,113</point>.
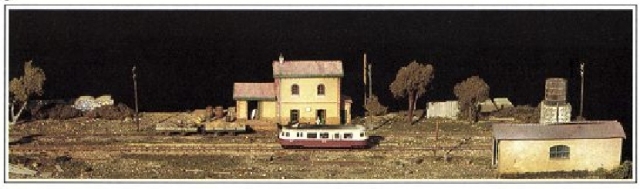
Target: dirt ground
<point>282,164</point>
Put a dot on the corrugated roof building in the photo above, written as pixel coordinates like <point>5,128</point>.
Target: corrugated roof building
<point>588,145</point>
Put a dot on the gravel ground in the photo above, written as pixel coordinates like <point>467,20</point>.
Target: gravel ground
<point>315,164</point>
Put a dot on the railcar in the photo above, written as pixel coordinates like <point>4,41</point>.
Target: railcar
<point>323,136</point>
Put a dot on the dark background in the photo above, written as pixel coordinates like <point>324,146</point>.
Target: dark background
<point>188,59</point>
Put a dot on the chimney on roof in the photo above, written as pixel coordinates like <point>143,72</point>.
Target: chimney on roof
<point>281,58</point>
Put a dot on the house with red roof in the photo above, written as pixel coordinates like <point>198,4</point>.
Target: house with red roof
<point>306,91</point>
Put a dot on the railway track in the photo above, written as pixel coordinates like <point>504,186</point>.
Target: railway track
<point>208,148</point>
<point>257,134</point>
<point>21,139</point>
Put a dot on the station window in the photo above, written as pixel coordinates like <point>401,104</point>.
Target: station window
<point>348,135</point>
<point>324,135</point>
<point>295,114</point>
<point>295,89</point>
<point>336,136</point>
<point>321,90</point>
<point>559,152</point>
<point>312,135</point>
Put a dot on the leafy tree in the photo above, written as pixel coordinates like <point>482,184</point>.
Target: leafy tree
<point>20,89</point>
<point>374,107</point>
<point>411,82</point>
<point>470,92</point>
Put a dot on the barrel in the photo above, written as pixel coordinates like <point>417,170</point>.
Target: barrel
<point>231,114</point>
<point>219,112</point>
<point>208,113</point>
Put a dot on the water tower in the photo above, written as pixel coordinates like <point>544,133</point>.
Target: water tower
<point>555,108</point>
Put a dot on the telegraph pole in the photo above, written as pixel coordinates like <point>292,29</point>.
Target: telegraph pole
<point>364,75</point>
<point>135,92</point>
<point>370,81</point>
<point>581,90</point>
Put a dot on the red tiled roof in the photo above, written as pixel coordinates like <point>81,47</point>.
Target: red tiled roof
<point>254,91</point>
<point>572,130</point>
<point>308,68</point>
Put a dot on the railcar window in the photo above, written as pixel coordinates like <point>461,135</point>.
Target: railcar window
<point>362,134</point>
<point>286,134</point>
<point>324,135</point>
<point>312,135</point>
<point>336,136</point>
<point>348,135</point>
<point>298,134</point>
<point>281,133</point>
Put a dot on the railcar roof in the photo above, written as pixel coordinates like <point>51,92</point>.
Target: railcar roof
<point>323,127</point>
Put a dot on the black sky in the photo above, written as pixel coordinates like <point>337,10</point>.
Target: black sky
<point>188,59</point>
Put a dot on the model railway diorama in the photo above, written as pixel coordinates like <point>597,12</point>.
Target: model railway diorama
<point>205,101</point>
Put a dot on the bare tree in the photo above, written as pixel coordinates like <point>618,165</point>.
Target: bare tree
<point>411,82</point>
<point>20,89</point>
<point>470,92</point>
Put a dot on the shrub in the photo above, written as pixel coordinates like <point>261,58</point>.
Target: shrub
<point>374,107</point>
<point>111,112</point>
<point>623,171</point>
<point>40,111</point>
<point>63,112</point>
<point>526,114</point>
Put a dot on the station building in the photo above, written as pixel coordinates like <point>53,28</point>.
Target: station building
<point>306,91</point>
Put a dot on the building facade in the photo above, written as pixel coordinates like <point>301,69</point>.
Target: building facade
<point>305,91</point>
<point>520,148</point>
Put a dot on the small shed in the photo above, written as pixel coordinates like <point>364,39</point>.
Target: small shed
<point>502,103</point>
<point>589,145</point>
<point>262,94</point>
<point>446,109</point>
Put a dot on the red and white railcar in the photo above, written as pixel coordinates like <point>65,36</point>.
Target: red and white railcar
<point>323,136</point>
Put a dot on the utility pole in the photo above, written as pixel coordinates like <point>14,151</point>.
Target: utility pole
<point>364,77</point>
<point>370,81</point>
<point>135,92</point>
<point>581,90</point>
